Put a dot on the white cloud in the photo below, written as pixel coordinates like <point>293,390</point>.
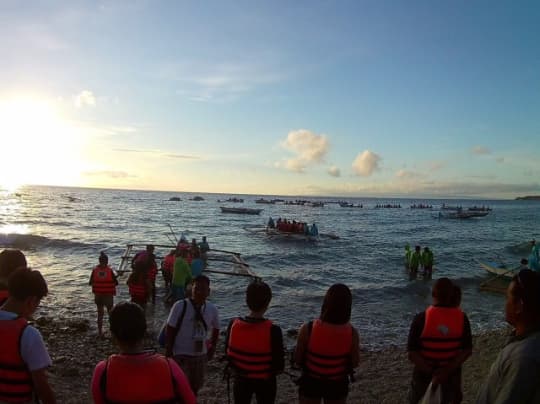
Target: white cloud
<point>366,163</point>
<point>406,174</point>
<point>109,174</point>
<point>435,165</point>
<point>308,147</point>
<point>334,171</point>
<point>85,98</point>
<point>480,150</point>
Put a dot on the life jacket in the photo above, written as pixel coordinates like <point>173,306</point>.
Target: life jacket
<point>4,294</point>
<point>168,263</point>
<point>15,378</point>
<point>137,291</point>
<point>128,379</point>
<point>103,281</point>
<point>250,348</point>
<point>441,338</point>
<point>329,349</point>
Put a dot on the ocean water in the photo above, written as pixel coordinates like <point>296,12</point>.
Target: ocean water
<point>62,231</point>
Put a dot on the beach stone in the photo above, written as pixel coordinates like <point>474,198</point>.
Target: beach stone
<point>292,332</point>
<point>79,325</point>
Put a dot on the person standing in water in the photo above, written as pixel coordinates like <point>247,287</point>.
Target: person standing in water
<point>103,281</point>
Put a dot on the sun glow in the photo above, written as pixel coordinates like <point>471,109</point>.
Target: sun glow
<point>38,146</point>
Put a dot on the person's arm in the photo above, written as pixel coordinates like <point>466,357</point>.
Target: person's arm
<point>413,344</point>
<point>171,331</point>
<point>95,383</point>
<point>213,343</point>
<point>355,351</point>
<point>278,352</point>
<point>41,386</point>
<point>301,345</point>
<point>91,278</point>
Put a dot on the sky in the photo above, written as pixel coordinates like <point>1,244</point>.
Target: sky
<point>337,98</point>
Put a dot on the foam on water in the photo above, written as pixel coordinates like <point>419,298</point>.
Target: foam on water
<point>63,237</point>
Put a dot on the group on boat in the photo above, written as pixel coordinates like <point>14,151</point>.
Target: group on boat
<point>421,206</point>
<point>292,226</point>
<point>388,206</point>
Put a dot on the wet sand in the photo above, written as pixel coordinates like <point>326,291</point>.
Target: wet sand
<point>383,376</point>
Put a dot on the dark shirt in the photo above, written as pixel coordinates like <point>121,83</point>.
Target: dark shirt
<point>417,326</point>
<point>276,342</point>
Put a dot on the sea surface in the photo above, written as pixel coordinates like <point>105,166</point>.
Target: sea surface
<point>63,230</point>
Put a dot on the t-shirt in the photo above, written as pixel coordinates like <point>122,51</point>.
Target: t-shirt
<point>192,331</point>
<point>197,266</point>
<point>514,376</point>
<point>182,383</point>
<point>33,350</point>
<point>181,272</point>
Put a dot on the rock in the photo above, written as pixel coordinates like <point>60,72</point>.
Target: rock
<point>292,333</point>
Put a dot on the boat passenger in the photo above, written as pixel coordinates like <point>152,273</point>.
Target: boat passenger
<point>534,256</point>
<point>314,231</point>
<point>416,259</point>
<point>254,349</point>
<point>181,276</point>
<point>103,281</point>
<point>139,284</point>
<point>147,258</point>
<point>189,324</point>
<point>167,267</point>
<point>513,377</point>
<point>23,356</point>
<point>271,223</point>
<point>408,253</point>
<point>204,248</point>
<point>134,374</point>
<point>439,343</point>
<point>10,261</point>
<point>427,262</point>
<point>328,350</point>
<point>197,264</point>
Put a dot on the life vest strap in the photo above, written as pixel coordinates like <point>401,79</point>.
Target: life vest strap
<point>435,339</point>
<point>26,380</point>
<point>240,352</point>
<point>9,366</point>
<point>344,356</point>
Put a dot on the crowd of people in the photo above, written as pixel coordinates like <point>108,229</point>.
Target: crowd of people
<point>292,226</point>
<point>327,348</point>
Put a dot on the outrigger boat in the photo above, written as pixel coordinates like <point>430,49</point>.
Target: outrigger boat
<point>245,211</point>
<point>461,214</point>
<point>502,276</point>
<point>239,266</point>
<point>273,233</point>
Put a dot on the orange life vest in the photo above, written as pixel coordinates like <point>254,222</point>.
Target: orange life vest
<point>4,294</point>
<point>250,348</point>
<point>103,281</point>
<point>441,339</point>
<point>329,349</point>
<point>168,263</point>
<point>137,291</point>
<point>15,378</point>
<point>139,379</point>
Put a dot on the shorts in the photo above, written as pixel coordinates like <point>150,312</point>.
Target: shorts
<point>104,300</point>
<point>313,388</point>
<point>194,368</point>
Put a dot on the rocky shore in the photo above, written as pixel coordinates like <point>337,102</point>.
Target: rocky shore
<point>383,376</point>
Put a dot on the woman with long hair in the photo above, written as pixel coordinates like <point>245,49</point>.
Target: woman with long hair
<point>327,350</point>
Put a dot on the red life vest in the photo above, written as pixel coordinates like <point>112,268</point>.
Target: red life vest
<point>15,378</point>
<point>137,291</point>
<point>168,263</point>
<point>4,294</point>
<point>103,281</point>
<point>139,379</point>
<point>250,348</point>
<point>441,339</point>
<point>329,349</point>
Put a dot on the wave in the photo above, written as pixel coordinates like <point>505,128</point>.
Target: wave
<point>32,241</point>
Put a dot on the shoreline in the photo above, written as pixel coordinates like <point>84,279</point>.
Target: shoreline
<point>382,377</point>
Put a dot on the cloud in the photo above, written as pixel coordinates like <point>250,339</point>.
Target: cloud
<point>334,171</point>
<point>109,174</point>
<point>435,165</point>
<point>480,150</point>
<point>308,147</point>
<point>366,163</point>
<point>85,99</point>
<point>159,153</point>
<point>406,174</point>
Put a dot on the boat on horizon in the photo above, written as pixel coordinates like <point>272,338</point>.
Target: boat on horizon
<point>245,211</point>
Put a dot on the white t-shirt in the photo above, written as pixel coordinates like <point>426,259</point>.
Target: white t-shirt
<point>191,338</point>
<point>33,350</point>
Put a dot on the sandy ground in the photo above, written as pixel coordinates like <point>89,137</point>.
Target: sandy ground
<point>383,377</point>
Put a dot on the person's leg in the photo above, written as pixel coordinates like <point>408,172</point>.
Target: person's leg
<point>309,391</point>
<point>265,391</point>
<point>419,385</point>
<point>242,390</point>
<point>100,319</point>
<point>195,370</point>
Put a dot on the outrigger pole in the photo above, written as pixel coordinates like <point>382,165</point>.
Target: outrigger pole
<point>173,233</point>
<point>225,251</point>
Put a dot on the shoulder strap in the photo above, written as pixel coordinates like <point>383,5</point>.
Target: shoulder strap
<point>181,318</point>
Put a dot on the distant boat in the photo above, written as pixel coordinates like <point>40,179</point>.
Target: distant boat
<point>197,198</point>
<point>245,211</point>
<point>461,214</point>
<point>233,200</point>
<point>350,205</point>
<point>175,199</point>
<point>265,201</point>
